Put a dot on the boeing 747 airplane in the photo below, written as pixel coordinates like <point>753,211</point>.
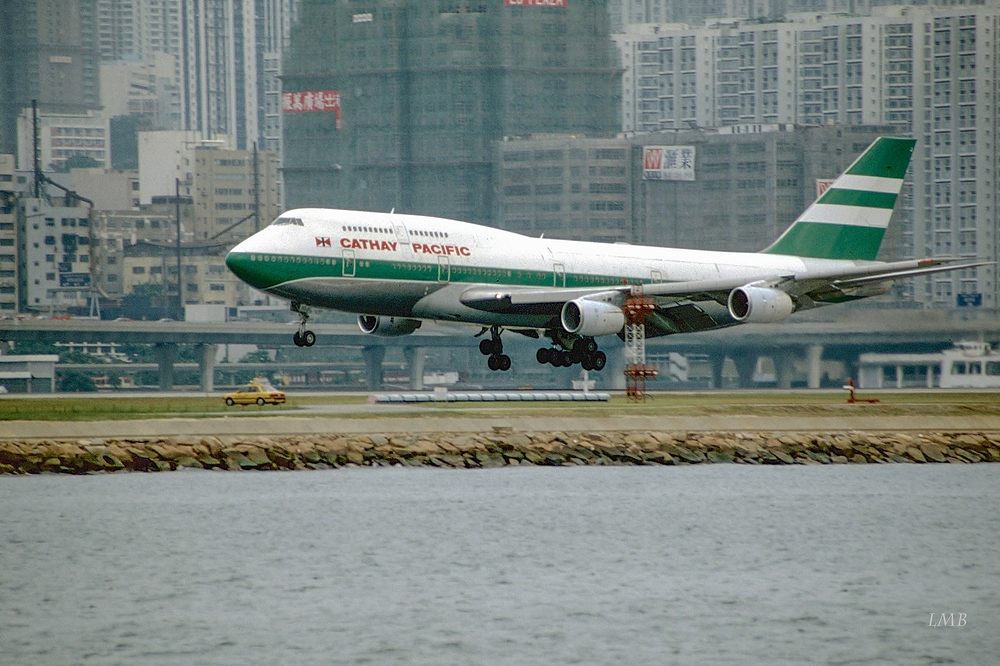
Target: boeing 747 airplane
<point>396,270</point>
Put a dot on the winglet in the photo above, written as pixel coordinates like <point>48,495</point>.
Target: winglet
<point>849,220</point>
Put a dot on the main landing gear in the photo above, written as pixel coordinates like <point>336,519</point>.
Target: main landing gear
<point>303,337</point>
<point>575,350</point>
<point>493,347</point>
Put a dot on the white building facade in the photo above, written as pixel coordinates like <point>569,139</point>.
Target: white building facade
<point>931,72</point>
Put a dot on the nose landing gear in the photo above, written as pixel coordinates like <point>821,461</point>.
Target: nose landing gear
<point>493,347</point>
<point>302,337</point>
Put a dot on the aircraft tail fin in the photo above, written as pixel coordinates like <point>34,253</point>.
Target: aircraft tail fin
<point>849,220</point>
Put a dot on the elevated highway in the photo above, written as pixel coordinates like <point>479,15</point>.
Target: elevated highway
<point>803,341</point>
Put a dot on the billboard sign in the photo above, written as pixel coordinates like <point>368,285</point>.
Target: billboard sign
<point>668,163</point>
<point>822,185</point>
<point>74,280</point>
<point>311,101</point>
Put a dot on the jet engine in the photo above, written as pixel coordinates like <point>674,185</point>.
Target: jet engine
<point>592,318</point>
<point>759,305</point>
<point>387,327</point>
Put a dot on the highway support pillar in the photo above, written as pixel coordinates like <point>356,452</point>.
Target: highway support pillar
<point>373,357</point>
<point>206,364</point>
<point>166,353</point>
<point>814,358</point>
<point>746,362</point>
<point>415,357</point>
<point>717,364</point>
<point>784,368</point>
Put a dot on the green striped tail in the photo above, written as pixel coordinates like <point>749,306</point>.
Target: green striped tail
<point>849,220</point>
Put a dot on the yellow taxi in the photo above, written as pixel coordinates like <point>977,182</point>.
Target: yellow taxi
<point>257,391</point>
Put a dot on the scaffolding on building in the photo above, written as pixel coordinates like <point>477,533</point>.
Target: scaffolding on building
<point>637,371</point>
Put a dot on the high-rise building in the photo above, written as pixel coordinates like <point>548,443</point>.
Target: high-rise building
<point>398,103</point>
<point>928,72</point>
<point>8,235</point>
<point>48,52</point>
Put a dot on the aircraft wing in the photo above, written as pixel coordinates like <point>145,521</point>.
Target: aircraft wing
<point>701,304</point>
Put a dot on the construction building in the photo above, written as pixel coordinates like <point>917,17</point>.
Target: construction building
<point>397,104</point>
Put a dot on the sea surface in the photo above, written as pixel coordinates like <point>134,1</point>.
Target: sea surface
<point>707,564</point>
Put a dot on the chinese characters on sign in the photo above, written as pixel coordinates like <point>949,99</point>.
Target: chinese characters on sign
<point>535,3</point>
<point>668,163</point>
<point>312,100</point>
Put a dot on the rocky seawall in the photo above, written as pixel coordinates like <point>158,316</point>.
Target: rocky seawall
<point>503,446</point>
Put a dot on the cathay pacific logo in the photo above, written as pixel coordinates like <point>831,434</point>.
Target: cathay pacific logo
<point>323,241</point>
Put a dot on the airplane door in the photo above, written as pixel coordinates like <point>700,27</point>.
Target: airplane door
<point>558,275</point>
<point>349,263</point>
<point>655,276</point>
<point>444,269</point>
<point>402,235</point>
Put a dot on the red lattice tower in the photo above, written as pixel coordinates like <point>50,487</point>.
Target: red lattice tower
<point>637,371</point>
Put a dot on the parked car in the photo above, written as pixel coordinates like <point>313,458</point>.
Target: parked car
<point>257,391</point>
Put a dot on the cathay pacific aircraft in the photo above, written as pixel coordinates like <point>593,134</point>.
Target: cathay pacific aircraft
<point>396,270</point>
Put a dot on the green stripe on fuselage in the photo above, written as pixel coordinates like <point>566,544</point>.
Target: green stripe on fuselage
<point>860,198</point>
<point>266,271</point>
<point>829,241</point>
<point>888,157</point>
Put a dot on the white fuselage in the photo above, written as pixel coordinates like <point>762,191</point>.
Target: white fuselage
<point>414,266</point>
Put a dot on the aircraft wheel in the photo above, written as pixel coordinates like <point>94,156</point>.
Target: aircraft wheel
<point>600,360</point>
<point>590,345</point>
<point>587,363</point>
<point>493,363</point>
<point>566,359</point>
<point>542,355</point>
<point>260,401</point>
<point>503,362</point>
<point>297,339</point>
<point>485,346</point>
<point>577,354</point>
<point>308,339</point>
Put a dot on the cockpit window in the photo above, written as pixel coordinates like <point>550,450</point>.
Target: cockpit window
<point>287,220</point>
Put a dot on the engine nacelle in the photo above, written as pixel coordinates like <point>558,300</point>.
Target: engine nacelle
<point>592,318</point>
<point>759,305</point>
<point>387,327</point>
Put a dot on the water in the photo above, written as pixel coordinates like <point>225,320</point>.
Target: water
<point>713,564</point>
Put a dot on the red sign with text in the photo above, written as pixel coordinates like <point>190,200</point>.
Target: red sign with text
<point>312,101</point>
<point>535,3</point>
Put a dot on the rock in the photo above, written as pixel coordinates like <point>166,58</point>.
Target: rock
<point>721,456</point>
<point>687,455</point>
<point>839,460</point>
<point>783,456</point>
<point>934,452</point>
<point>858,458</point>
<point>968,455</point>
<point>516,441</point>
<point>915,454</point>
